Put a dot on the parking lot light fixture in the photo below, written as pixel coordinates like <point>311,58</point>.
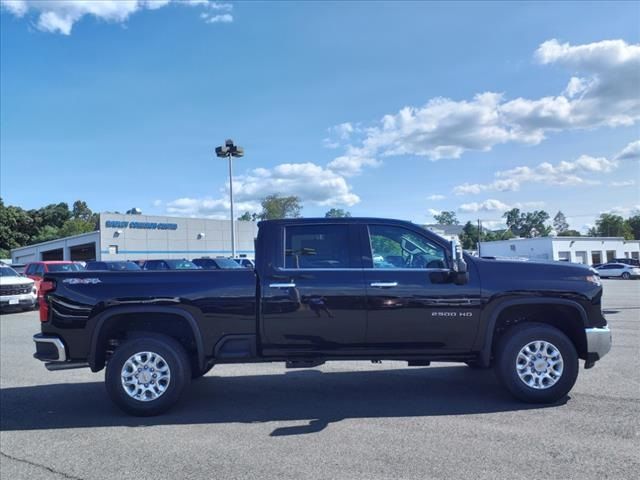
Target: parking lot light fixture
<point>230,150</point>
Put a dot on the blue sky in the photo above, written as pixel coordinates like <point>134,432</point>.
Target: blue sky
<point>384,109</point>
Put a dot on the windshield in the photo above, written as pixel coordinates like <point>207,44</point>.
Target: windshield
<point>120,266</point>
<point>8,272</point>
<point>227,263</point>
<point>181,265</point>
<point>64,267</point>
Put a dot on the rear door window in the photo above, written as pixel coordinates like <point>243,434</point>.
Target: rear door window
<point>316,246</point>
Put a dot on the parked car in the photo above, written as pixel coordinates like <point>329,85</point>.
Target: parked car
<point>620,270</point>
<point>245,262</point>
<point>317,295</point>
<point>16,291</point>
<point>169,265</point>
<point>36,270</point>
<point>114,266</point>
<point>628,261</point>
<point>18,267</point>
<point>216,263</point>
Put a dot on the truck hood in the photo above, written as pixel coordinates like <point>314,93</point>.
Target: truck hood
<point>538,277</point>
<point>15,281</point>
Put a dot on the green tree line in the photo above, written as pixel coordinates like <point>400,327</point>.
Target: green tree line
<point>19,227</point>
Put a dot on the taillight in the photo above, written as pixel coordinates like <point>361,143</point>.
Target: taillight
<point>46,286</point>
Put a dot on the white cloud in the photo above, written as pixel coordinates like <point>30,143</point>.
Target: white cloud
<point>59,16</point>
<point>222,18</point>
<point>564,173</point>
<point>314,185</point>
<point>630,152</point>
<point>492,205</point>
<point>624,183</point>
<point>436,197</point>
<point>433,212</point>
<point>604,93</point>
<point>157,203</point>
<point>352,163</point>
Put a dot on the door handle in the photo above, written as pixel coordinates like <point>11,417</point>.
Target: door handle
<point>384,284</point>
<point>282,285</point>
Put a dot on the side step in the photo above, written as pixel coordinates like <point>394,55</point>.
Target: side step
<point>304,363</point>
<point>53,366</point>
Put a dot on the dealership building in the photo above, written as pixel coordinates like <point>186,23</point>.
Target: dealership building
<point>143,237</point>
<point>586,250</point>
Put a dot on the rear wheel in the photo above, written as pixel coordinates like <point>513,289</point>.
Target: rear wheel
<point>537,363</point>
<point>147,375</point>
<point>626,275</point>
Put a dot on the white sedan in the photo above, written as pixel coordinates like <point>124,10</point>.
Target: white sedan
<point>621,270</point>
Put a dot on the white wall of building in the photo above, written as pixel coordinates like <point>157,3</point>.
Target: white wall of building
<point>142,237</point>
<point>33,253</point>
<point>171,237</point>
<point>587,250</point>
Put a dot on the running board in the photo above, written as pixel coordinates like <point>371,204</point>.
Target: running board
<point>53,366</point>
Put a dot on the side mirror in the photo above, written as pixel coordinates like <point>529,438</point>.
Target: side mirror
<point>459,272</point>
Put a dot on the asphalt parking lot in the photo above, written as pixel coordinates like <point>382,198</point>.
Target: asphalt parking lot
<point>339,421</point>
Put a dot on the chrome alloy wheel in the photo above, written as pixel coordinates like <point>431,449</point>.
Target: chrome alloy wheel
<point>145,376</point>
<point>539,364</point>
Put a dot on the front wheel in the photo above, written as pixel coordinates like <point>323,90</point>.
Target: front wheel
<point>147,375</point>
<point>537,363</point>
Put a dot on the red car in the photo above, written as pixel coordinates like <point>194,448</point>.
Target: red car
<point>36,270</point>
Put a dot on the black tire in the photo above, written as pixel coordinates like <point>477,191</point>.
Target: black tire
<point>626,275</point>
<point>517,338</point>
<point>176,359</point>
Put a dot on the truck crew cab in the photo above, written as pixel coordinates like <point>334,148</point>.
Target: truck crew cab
<point>327,289</point>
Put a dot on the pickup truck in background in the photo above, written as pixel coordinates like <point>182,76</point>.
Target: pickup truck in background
<point>327,289</point>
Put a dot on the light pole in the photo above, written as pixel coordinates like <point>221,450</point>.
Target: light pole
<point>230,150</point>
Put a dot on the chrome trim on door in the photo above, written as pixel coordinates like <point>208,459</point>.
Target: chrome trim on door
<point>282,285</point>
<point>384,284</point>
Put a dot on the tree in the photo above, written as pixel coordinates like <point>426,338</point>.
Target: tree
<point>633,223</point>
<point>248,217</point>
<point>592,232</point>
<point>446,218</point>
<point>560,223</point>
<point>469,236</point>
<point>16,227</point>
<point>274,206</point>
<point>569,233</point>
<point>81,211</point>
<point>611,225</point>
<point>337,213</point>
<point>529,224</point>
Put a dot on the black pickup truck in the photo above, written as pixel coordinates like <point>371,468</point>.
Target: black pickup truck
<point>327,289</point>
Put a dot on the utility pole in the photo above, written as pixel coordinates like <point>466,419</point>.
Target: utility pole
<point>479,235</point>
<point>229,150</point>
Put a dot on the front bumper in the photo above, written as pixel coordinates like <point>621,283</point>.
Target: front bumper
<point>598,342</point>
<point>18,301</point>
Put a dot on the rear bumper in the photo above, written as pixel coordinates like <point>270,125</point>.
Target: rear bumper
<point>49,348</point>
<point>598,342</point>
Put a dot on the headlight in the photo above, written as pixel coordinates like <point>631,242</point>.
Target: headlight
<point>595,279</point>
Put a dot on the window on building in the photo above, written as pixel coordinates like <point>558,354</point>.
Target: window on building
<point>113,249</point>
<point>611,255</point>
<point>581,257</point>
<point>596,258</point>
<point>635,255</point>
<point>564,256</point>
<point>512,248</point>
